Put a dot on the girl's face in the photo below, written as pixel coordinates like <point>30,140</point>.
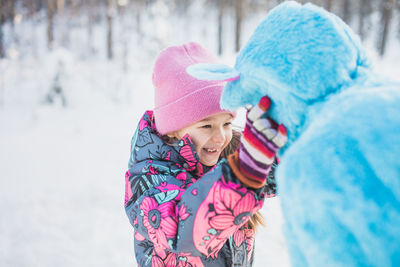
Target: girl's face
<point>210,136</point>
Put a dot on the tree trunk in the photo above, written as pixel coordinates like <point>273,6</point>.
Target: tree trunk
<point>110,12</point>
<point>398,12</point>
<point>139,6</point>
<point>328,5</point>
<point>386,15</point>
<point>239,12</point>
<point>123,36</point>
<point>2,22</point>
<point>50,10</point>
<point>7,14</point>
<point>346,11</point>
<point>362,15</point>
<point>90,21</point>
<point>221,10</point>
<point>63,22</point>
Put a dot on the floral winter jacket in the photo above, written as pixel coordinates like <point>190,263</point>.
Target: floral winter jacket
<point>181,215</point>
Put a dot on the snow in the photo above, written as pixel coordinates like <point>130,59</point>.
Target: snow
<point>62,188</point>
<point>62,168</point>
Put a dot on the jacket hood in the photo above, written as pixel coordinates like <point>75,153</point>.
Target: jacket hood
<point>147,144</point>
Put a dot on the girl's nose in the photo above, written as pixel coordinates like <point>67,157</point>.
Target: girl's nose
<point>219,136</point>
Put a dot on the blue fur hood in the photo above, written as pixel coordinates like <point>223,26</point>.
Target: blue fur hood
<point>300,56</point>
<point>339,177</point>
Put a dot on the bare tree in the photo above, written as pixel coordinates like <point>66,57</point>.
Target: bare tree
<point>239,17</point>
<point>2,22</point>
<point>110,15</point>
<point>398,12</point>
<point>316,2</point>
<point>139,7</point>
<point>90,11</point>
<point>364,12</point>
<point>346,14</point>
<point>9,10</point>
<point>221,11</point>
<point>50,11</point>
<point>386,16</point>
<point>123,33</point>
<point>7,14</point>
<point>63,22</point>
<point>328,5</point>
<point>33,6</point>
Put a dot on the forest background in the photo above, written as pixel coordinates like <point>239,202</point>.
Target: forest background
<point>75,77</point>
<point>131,32</point>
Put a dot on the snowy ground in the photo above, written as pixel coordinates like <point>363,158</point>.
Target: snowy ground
<point>62,190</point>
<point>62,169</point>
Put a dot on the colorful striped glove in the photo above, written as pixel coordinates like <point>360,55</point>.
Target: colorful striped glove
<point>261,140</point>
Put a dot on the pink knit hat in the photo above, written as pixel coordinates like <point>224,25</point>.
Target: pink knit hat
<point>180,99</point>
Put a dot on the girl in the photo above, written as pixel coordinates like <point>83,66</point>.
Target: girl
<point>191,201</point>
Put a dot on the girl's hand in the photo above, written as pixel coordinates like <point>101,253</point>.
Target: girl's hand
<point>261,140</point>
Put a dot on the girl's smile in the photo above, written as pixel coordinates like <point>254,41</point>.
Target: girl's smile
<point>210,136</point>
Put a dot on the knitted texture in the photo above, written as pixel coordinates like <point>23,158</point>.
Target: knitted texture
<point>261,139</point>
<point>178,93</point>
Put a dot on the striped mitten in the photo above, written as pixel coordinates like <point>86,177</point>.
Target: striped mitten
<point>261,140</point>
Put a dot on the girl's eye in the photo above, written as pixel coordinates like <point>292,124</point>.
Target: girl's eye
<point>228,124</point>
<point>207,126</point>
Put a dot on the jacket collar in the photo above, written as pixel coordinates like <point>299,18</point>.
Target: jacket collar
<point>148,144</point>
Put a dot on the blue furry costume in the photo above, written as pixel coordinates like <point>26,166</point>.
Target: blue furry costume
<point>339,177</point>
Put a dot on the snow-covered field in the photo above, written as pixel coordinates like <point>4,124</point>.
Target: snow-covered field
<point>62,188</point>
<point>62,168</point>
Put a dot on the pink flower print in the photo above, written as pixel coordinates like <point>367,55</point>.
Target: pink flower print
<point>156,261</point>
<point>172,191</point>
<point>128,189</point>
<point>139,237</point>
<point>152,171</point>
<point>233,211</point>
<point>194,192</point>
<point>183,215</point>
<point>168,156</point>
<point>219,216</point>
<point>199,169</point>
<point>187,152</point>
<point>182,176</point>
<point>169,261</point>
<point>237,187</point>
<point>238,238</point>
<point>250,236</point>
<point>245,234</point>
<point>143,124</point>
<point>159,223</point>
<point>165,187</point>
<point>185,260</point>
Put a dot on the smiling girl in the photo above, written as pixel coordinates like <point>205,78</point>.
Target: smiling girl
<point>194,186</point>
